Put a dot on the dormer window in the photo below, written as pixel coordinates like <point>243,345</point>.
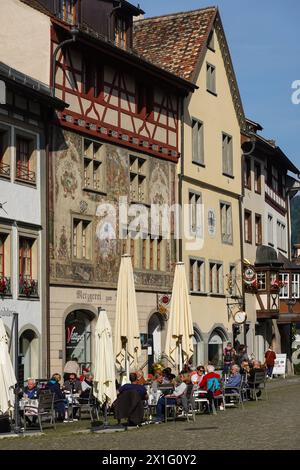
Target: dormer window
<point>68,11</point>
<point>123,31</point>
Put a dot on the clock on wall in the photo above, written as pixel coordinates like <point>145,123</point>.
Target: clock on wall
<point>211,217</point>
<point>240,317</point>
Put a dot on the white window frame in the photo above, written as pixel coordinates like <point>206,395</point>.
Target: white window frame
<point>284,292</point>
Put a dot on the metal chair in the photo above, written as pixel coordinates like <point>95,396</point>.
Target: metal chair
<point>234,394</point>
<point>89,405</point>
<point>45,410</point>
<point>200,398</point>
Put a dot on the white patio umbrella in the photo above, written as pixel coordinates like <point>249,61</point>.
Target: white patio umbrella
<point>179,340</point>
<point>127,331</point>
<point>7,375</point>
<point>104,374</point>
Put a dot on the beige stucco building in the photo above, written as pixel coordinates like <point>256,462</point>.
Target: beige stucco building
<point>209,172</point>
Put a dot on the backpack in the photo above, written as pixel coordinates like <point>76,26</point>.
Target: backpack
<point>213,384</point>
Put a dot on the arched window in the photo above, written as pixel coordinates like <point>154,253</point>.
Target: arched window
<point>28,355</point>
<point>215,347</point>
<point>78,337</point>
<point>198,344</point>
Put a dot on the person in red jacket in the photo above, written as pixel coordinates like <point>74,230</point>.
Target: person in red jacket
<point>211,383</point>
<point>270,357</point>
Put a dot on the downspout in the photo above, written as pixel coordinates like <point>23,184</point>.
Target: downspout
<point>241,198</point>
<point>47,227</point>
<point>180,180</point>
<point>74,32</point>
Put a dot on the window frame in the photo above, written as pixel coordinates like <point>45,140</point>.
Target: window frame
<point>211,79</point>
<point>259,235</point>
<point>226,238</point>
<point>227,155</point>
<point>248,219</point>
<point>198,159</point>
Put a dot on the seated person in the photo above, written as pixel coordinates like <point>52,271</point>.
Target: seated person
<point>170,399</point>
<point>85,373</point>
<point>211,383</point>
<point>234,380</point>
<point>86,386</point>
<point>256,367</point>
<point>245,368</point>
<point>134,386</point>
<point>31,390</point>
<point>140,377</point>
<point>59,397</point>
<point>73,386</point>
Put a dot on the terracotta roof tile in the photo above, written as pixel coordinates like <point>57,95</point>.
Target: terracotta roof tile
<point>174,42</point>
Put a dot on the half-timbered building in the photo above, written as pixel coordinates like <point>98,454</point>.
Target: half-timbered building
<point>118,138</point>
<point>267,190</point>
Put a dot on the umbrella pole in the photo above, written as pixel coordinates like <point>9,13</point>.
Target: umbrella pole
<point>105,424</point>
<point>180,356</point>
<point>126,362</point>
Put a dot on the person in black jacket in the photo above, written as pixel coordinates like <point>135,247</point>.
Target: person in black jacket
<point>59,397</point>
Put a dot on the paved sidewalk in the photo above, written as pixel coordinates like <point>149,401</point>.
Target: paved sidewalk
<point>272,424</point>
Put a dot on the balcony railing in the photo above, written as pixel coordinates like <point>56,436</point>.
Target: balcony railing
<point>4,169</point>
<point>5,286</point>
<point>28,287</point>
<point>275,197</point>
<point>23,173</point>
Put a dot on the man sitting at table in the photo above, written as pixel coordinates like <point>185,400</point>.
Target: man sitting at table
<point>73,386</point>
<point>134,386</point>
<point>234,379</point>
<point>170,399</point>
<point>31,391</point>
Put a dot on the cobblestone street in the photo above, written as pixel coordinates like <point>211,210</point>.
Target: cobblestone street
<point>272,424</point>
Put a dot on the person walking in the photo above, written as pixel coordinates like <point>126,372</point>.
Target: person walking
<point>270,357</point>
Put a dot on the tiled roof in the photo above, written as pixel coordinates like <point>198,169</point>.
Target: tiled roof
<point>174,42</point>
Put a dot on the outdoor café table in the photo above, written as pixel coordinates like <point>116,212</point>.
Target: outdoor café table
<point>72,402</point>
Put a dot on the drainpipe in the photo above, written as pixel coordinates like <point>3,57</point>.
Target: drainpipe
<point>47,131</point>
<point>180,179</point>
<point>74,32</point>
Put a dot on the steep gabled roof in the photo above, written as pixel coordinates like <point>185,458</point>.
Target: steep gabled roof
<point>174,42</point>
<point>178,42</point>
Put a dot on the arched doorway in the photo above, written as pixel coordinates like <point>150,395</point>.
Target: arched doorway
<point>198,345</point>
<point>28,355</point>
<point>78,336</point>
<point>155,327</point>
<point>215,347</point>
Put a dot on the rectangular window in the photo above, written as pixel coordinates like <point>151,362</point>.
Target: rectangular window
<point>295,286</point>
<point>257,178</point>
<point>197,141</point>
<point>248,226</point>
<point>211,78</point>
<point>122,33</point>
<point>211,41</point>
<point>247,173</point>
<point>4,153</point>
<point>195,209</point>
<point>197,275</point>
<point>28,266</point>
<point>226,223</point>
<point>68,11</point>
<point>138,179</point>
<point>145,100</point>
<point>94,166</point>
<point>227,155</point>
<point>258,229</point>
<point>25,258</point>
<point>216,278</point>
<point>25,159</point>
<point>82,239</point>
<point>232,280</point>
<point>281,236</point>
<point>275,179</point>
<point>261,281</point>
<point>284,280</point>
<point>270,230</point>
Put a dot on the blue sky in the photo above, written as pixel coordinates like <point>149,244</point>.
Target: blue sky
<point>264,41</point>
